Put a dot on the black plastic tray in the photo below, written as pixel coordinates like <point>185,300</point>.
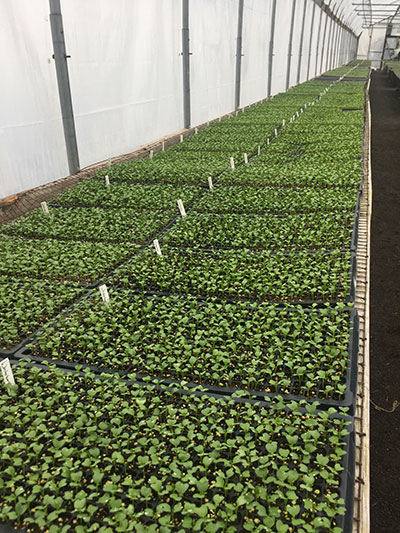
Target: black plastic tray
<point>347,476</point>
<point>348,401</point>
<point>349,297</point>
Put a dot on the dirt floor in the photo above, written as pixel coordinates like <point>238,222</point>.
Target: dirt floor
<point>385,306</point>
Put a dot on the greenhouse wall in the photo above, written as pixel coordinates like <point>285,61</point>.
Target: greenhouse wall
<point>125,62</point>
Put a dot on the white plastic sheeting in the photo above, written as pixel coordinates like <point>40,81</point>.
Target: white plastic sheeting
<point>370,45</point>
<point>126,73</point>
<point>256,37</point>
<point>32,148</point>
<point>281,45</point>
<point>213,31</point>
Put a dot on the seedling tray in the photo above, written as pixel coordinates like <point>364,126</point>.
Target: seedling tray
<point>44,285</point>
<point>180,272</point>
<point>348,373</point>
<point>235,421</point>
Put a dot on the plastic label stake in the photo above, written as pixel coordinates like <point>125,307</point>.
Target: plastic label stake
<point>219,119</point>
<point>196,130</point>
<point>181,208</point>
<point>157,246</point>
<point>151,153</point>
<point>232,161</point>
<point>7,372</point>
<point>181,138</point>
<point>104,294</point>
<point>107,180</point>
<point>245,159</point>
<point>210,183</point>
<point>259,148</point>
<point>267,143</point>
<point>276,132</point>
<point>163,146</point>
<point>45,207</point>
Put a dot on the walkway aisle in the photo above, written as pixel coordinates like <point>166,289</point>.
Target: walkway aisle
<point>385,306</point>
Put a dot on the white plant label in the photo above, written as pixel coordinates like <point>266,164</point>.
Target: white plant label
<point>157,246</point>
<point>276,132</point>
<point>219,119</point>
<point>45,207</point>
<point>210,183</point>
<point>163,146</point>
<point>259,147</point>
<point>283,122</point>
<point>151,154</point>
<point>232,161</point>
<point>104,294</point>
<point>107,180</point>
<point>181,138</point>
<point>196,130</point>
<point>246,160</point>
<point>7,372</point>
<point>297,114</point>
<point>181,208</point>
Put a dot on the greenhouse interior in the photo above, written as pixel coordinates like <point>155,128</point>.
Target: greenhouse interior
<point>199,243</point>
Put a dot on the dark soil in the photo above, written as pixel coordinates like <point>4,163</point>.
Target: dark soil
<point>385,306</point>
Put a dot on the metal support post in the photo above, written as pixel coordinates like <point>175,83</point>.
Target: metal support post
<point>339,47</point>
<point>271,47</point>
<point>323,43</point>
<point>311,40</point>
<point>337,40</point>
<point>301,42</point>
<point>334,37</point>
<point>186,63</point>
<point>239,54</point>
<point>64,89</point>
<point>318,39</point>
<point>328,48</point>
<point>340,44</point>
<point>289,60</point>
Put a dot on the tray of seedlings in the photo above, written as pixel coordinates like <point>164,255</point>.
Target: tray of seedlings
<point>259,200</point>
<point>303,277</point>
<point>256,232</point>
<point>91,224</point>
<point>79,453</point>
<point>27,304</point>
<point>297,351</point>
<point>94,193</point>
<point>81,262</point>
